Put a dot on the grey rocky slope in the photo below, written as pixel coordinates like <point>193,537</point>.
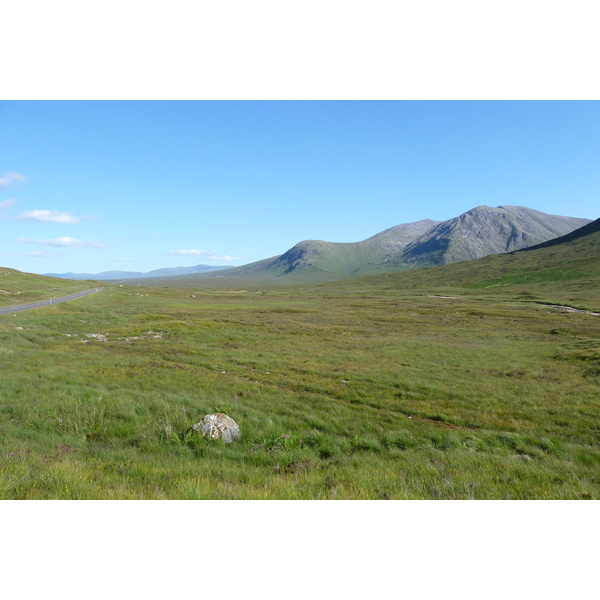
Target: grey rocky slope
<point>484,230</point>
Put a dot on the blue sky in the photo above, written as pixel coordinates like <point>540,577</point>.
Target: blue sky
<point>90,186</point>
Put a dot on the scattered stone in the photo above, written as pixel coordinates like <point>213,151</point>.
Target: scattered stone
<point>219,426</point>
<point>572,309</point>
<point>98,336</point>
<point>147,334</point>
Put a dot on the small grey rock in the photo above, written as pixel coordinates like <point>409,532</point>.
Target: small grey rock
<point>219,426</point>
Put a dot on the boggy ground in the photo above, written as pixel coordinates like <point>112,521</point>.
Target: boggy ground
<point>340,393</point>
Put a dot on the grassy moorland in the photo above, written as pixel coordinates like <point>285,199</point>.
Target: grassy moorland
<point>373,388</point>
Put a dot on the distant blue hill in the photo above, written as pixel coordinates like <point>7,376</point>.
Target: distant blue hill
<point>118,275</point>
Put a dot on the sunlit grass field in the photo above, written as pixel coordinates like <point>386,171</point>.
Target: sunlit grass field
<point>360,390</point>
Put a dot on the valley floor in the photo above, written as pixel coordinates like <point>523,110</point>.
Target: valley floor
<point>340,393</point>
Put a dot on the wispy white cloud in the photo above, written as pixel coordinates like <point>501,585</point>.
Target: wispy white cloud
<point>8,179</point>
<point>65,242</point>
<point>44,254</point>
<point>210,254</point>
<point>51,216</point>
<point>191,252</point>
<point>6,203</point>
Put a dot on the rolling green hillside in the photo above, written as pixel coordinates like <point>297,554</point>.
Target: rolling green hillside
<point>564,270</point>
<point>311,261</point>
<point>537,273</point>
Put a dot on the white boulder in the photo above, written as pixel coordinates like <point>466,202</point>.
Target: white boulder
<point>219,426</point>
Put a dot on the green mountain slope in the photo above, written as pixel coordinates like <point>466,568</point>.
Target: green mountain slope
<point>563,270</point>
<point>17,287</point>
<point>349,260</point>
<point>474,234</point>
<point>313,261</point>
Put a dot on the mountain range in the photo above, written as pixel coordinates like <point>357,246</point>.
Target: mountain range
<point>476,233</point>
<point>569,265</point>
<point>119,275</point>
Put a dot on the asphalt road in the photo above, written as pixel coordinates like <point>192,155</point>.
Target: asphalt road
<point>14,309</point>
